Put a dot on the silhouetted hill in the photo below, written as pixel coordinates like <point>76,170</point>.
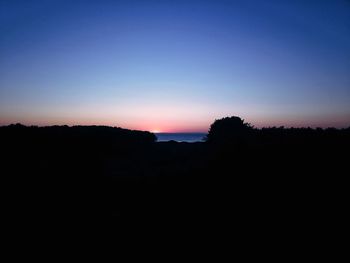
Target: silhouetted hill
<point>98,171</point>
<point>75,136</point>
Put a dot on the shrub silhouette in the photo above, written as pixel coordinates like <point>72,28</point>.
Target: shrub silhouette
<point>228,129</point>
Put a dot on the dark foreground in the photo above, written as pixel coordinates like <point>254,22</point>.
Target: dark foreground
<point>274,178</point>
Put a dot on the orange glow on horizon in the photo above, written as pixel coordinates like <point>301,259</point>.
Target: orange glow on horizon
<point>168,121</point>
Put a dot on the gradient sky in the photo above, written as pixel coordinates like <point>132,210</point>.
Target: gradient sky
<point>175,66</point>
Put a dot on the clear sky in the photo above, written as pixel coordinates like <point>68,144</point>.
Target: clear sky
<point>175,66</point>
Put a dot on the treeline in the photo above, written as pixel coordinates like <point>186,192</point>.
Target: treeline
<point>233,130</point>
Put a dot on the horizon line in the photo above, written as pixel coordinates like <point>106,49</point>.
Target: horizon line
<point>176,131</point>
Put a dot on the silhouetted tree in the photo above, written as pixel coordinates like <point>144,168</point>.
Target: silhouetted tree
<point>228,129</point>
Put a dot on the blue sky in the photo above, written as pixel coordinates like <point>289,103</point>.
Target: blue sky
<point>175,65</point>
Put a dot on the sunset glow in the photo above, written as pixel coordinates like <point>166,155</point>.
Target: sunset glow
<point>175,66</point>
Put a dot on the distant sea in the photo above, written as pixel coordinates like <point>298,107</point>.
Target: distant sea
<point>180,137</point>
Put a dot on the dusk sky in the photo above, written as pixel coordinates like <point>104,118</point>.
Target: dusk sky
<point>175,66</point>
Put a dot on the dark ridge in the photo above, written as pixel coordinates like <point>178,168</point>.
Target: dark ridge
<point>239,173</point>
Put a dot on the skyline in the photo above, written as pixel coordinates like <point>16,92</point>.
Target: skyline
<point>175,66</point>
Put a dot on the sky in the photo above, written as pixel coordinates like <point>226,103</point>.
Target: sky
<point>175,66</point>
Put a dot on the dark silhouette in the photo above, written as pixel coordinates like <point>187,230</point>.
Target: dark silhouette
<point>105,172</point>
<point>228,129</point>
<point>229,132</point>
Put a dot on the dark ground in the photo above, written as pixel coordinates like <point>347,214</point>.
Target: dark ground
<point>293,182</point>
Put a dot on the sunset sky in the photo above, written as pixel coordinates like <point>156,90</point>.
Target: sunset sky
<point>175,66</point>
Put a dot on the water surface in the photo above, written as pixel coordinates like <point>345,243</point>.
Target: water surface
<point>180,137</point>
